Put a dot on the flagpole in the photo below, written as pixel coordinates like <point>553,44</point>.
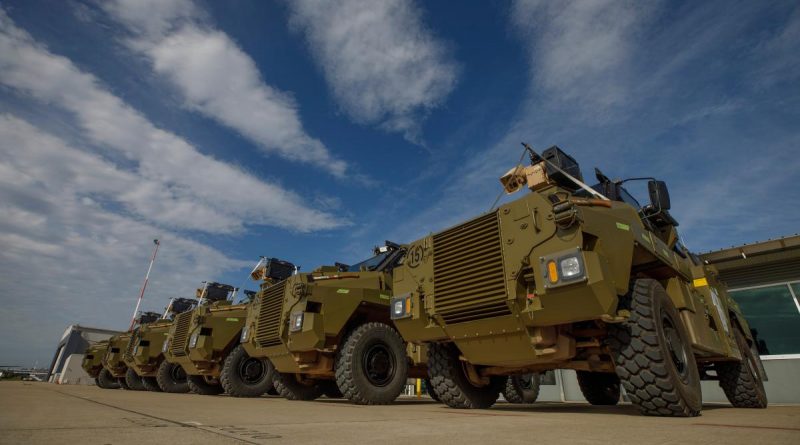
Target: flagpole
<point>144,285</point>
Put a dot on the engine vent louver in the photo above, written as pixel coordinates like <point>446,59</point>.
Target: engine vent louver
<point>468,266</point>
<point>178,345</point>
<point>268,332</point>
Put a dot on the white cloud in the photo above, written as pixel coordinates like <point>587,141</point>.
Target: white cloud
<point>580,50</point>
<point>218,79</point>
<point>201,192</point>
<point>383,64</point>
<point>63,249</point>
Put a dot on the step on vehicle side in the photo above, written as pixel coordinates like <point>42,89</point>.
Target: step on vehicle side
<point>93,365</point>
<point>328,332</point>
<point>200,340</point>
<point>145,351</point>
<point>573,277</point>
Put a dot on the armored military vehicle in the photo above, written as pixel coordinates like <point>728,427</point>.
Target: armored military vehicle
<point>329,332</point>
<point>132,379</point>
<point>93,365</point>
<point>144,354</point>
<point>201,339</point>
<point>243,375</point>
<point>114,359</point>
<point>574,277</point>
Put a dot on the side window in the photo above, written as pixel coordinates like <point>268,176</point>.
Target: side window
<point>774,314</point>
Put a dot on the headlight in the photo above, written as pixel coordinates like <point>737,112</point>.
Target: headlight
<point>245,333</point>
<point>563,268</point>
<point>193,340</point>
<point>296,322</point>
<point>165,346</point>
<point>570,267</point>
<point>400,307</point>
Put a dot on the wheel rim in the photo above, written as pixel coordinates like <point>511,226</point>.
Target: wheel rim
<point>675,347</point>
<point>252,370</point>
<point>177,374</point>
<point>378,364</point>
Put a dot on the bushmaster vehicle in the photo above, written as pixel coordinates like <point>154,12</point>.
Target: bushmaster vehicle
<point>93,365</point>
<point>329,332</point>
<point>144,353</point>
<point>132,378</point>
<point>200,340</point>
<point>243,375</point>
<point>114,359</point>
<point>574,277</point>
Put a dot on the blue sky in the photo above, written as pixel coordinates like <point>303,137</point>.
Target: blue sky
<point>313,131</point>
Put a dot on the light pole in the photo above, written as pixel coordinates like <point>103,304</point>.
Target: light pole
<point>144,285</point>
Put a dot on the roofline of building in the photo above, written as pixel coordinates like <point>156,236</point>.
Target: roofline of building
<point>788,242</point>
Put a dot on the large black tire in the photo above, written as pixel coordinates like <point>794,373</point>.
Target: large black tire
<point>522,388</point>
<point>151,384</point>
<point>599,388</point>
<point>652,354</point>
<point>133,380</point>
<point>105,380</point>
<point>431,392</point>
<point>291,388</point>
<point>451,384</point>
<point>741,381</point>
<point>245,376</point>
<point>330,389</point>
<point>198,384</point>
<point>172,378</point>
<point>371,365</point>
<point>122,384</point>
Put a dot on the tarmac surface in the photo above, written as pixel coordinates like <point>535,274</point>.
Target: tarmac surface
<point>43,413</point>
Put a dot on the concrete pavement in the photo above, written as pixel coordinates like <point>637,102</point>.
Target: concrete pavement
<point>43,413</point>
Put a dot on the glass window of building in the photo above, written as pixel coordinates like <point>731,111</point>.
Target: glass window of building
<point>772,312</point>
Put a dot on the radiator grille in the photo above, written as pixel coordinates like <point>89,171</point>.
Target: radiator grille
<point>269,316</point>
<point>178,345</point>
<point>468,266</point>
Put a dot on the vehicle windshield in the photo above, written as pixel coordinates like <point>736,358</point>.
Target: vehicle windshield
<point>626,197</point>
<point>369,264</point>
<point>621,195</point>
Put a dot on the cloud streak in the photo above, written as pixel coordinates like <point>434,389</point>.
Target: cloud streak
<point>579,51</point>
<point>382,63</point>
<point>219,80</point>
<point>63,248</point>
<point>196,186</point>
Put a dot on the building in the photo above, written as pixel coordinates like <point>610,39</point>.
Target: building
<point>66,364</point>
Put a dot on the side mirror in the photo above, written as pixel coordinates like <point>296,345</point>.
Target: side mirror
<point>659,195</point>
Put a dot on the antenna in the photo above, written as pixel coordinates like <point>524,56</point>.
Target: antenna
<point>144,285</point>
<point>168,308</point>
<point>203,293</point>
